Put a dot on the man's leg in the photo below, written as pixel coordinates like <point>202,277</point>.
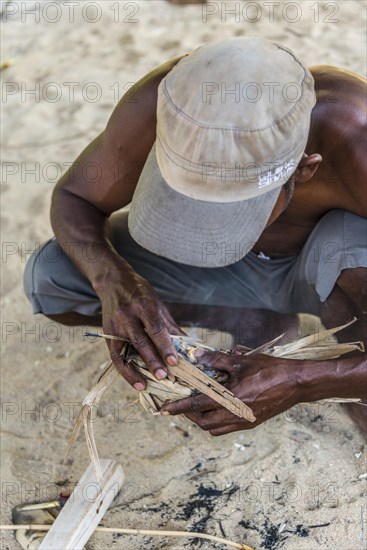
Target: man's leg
<point>73,319</point>
<point>249,327</point>
<point>347,300</point>
<point>221,299</point>
<point>56,288</point>
<point>334,264</point>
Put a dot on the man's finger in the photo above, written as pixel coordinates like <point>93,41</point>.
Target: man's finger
<point>191,405</point>
<point>159,335</point>
<point>172,327</point>
<point>126,370</point>
<point>211,420</point>
<point>216,360</point>
<point>229,429</point>
<point>146,349</point>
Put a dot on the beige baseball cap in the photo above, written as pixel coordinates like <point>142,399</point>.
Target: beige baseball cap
<point>233,120</point>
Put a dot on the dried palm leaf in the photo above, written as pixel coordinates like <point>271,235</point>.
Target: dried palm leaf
<point>189,377</point>
<point>107,377</point>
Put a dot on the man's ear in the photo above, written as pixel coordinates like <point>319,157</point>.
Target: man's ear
<point>307,167</point>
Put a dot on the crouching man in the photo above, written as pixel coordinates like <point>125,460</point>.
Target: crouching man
<point>246,174</point>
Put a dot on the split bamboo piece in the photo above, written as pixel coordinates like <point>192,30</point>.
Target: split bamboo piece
<point>82,512</point>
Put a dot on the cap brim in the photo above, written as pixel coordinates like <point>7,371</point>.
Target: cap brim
<point>190,231</point>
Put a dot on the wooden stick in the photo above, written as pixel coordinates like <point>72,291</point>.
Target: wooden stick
<point>202,382</point>
<point>84,508</point>
<point>107,336</point>
<point>180,534</point>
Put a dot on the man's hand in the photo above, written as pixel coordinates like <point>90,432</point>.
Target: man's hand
<point>267,384</point>
<point>131,309</point>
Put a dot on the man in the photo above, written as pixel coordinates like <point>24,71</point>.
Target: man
<point>247,176</point>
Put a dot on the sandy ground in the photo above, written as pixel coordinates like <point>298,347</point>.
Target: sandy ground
<point>297,471</point>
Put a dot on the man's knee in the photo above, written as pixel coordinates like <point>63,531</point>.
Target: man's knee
<point>348,300</point>
<point>54,285</point>
<point>337,245</point>
<point>38,272</point>
<point>353,282</point>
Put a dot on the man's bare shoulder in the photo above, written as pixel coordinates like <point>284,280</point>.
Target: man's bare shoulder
<point>329,72</point>
<point>340,91</point>
<point>144,91</point>
<point>338,132</point>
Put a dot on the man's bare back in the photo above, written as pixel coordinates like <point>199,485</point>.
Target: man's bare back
<point>338,134</point>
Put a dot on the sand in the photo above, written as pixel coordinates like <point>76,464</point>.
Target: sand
<point>297,471</point>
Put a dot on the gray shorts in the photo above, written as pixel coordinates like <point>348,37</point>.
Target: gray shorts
<point>295,284</point>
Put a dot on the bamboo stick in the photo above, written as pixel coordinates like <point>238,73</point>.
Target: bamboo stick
<point>150,532</point>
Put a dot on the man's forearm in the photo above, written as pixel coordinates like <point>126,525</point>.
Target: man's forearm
<point>341,377</point>
<point>81,230</point>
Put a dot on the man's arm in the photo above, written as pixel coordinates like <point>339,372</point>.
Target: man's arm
<point>101,181</point>
<point>341,377</point>
<point>270,386</point>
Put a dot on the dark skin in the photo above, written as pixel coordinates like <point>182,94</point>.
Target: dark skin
<point>331,174</point>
